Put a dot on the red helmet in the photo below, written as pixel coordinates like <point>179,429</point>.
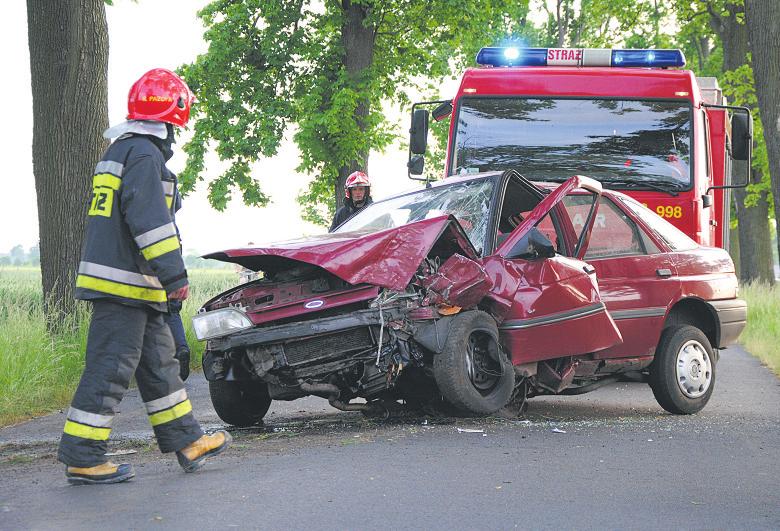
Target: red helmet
<point>355,179</point>
<point>160,95</point>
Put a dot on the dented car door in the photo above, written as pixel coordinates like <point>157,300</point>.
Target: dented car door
<point>550,302</point>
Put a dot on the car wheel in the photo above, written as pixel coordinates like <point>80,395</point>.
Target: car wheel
<point>682,375</point>
<point>240,403</point>
<point>472,372</point>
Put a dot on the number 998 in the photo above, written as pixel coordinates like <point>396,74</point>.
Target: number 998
<point>669,211</point>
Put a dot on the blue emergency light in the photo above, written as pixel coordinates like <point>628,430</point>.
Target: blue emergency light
<point>516,56</point>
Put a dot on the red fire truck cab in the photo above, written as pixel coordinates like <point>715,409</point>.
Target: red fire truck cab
<point>632,119</point>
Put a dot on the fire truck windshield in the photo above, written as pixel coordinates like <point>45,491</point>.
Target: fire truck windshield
<point>633,143</point>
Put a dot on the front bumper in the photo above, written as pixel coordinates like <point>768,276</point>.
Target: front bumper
<point>298,349</point>
<point>732,318</point>
<point>303,329</point>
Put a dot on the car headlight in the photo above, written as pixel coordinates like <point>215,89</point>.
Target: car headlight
<point>218,323</point>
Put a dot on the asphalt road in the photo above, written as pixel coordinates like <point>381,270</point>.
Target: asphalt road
<point>609,459</point>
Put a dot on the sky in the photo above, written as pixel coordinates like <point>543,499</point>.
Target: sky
<point>137,45</point>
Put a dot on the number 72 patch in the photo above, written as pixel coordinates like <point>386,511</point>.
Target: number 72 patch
<point>103,187</point>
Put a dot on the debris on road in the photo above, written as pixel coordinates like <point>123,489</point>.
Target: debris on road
<point>558,430</point>
<point>470,430</point>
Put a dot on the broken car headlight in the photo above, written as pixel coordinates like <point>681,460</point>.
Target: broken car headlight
<point>218,323</point>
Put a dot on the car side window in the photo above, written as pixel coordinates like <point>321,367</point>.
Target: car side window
<point>614,233</point>
<point>671,235</point>
<point>547,227</point>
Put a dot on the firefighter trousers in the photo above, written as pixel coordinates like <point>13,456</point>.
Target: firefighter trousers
<point>124,341</point>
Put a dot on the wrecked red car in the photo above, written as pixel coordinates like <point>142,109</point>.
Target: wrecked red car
<point>477,290</point>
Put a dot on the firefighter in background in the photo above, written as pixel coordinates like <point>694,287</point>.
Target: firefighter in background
<point>357,195</point>
<point>131,266</point>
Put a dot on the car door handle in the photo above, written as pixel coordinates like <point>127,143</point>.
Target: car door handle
<point>589,269</point>
<point>663,273</point>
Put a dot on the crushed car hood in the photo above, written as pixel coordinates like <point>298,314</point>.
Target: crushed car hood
<point>388,258</point>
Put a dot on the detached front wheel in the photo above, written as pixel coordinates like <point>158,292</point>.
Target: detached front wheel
<point>241,403</point>
<point>682,375</point>
<point>472,372</point>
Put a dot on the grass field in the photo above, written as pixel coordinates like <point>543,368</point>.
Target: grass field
<point>38,373</point>
<point>762,335</point>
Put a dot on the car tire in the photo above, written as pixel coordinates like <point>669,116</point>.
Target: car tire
<point>682,375</point>
<point>241,404</point>
<point>472,372</point>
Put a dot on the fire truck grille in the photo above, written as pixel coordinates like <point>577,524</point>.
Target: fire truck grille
<point>327,346</point>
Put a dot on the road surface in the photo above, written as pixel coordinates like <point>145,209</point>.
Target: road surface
<point>608,459</point>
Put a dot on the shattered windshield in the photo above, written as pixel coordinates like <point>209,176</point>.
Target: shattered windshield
<point>624,142</point>
<point>468,201</point>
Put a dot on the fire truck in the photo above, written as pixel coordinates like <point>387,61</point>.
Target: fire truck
<point>633,119</point>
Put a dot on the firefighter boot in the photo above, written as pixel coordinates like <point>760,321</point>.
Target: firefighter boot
<point>108,472</point>
<point>194,456</point>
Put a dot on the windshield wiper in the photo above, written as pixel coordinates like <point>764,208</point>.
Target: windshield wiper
<point>621,184</point>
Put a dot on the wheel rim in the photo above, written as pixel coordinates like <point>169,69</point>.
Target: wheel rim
<point>482,366</point>
<point>694,369</point>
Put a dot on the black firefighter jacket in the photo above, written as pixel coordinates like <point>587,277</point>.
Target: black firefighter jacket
<point>131,251</point>
<point>347,211</point>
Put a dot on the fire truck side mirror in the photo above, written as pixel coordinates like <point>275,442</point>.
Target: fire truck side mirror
<point>442,111</point>
<point>418,134</point>
<point>416,165</point>
<point>741,135</point>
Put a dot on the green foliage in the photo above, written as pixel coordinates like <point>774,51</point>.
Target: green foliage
<point>739,86</point>
<point>699,39</point>
<point>606,23</point>
<point>40,371</point>
<point>272,65</point>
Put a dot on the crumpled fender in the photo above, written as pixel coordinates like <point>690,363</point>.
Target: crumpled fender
<point>505,277</point>
<point>459,281</point>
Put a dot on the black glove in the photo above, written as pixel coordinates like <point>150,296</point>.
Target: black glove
<point>183,357</point>
<point>174,306</point>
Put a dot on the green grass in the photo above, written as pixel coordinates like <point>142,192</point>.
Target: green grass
<point>38,372</point>
<point>762,334</point>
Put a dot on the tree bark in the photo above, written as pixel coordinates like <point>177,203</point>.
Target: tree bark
<point>68,43</point>
<point>358,42</point>
<point>754,236</point>
<point>562,20</point>
<point>762,18</point>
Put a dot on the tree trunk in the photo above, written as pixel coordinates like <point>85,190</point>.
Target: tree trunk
<point>755,252</point>
<point>755,239</point>
<point>68,43</point>
<point>763,22</point>
<point>734,250</point>
<point>358,42</point>
<point>559,18</point>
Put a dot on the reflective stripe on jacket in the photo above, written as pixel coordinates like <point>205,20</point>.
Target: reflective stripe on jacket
<point>131,250</point>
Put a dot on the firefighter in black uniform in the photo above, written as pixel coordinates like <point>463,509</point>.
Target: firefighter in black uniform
<point>357,196</point>
<point>131,266</point>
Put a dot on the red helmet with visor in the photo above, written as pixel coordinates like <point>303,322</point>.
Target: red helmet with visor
<point>355,179</point>
<point>162,96</point>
